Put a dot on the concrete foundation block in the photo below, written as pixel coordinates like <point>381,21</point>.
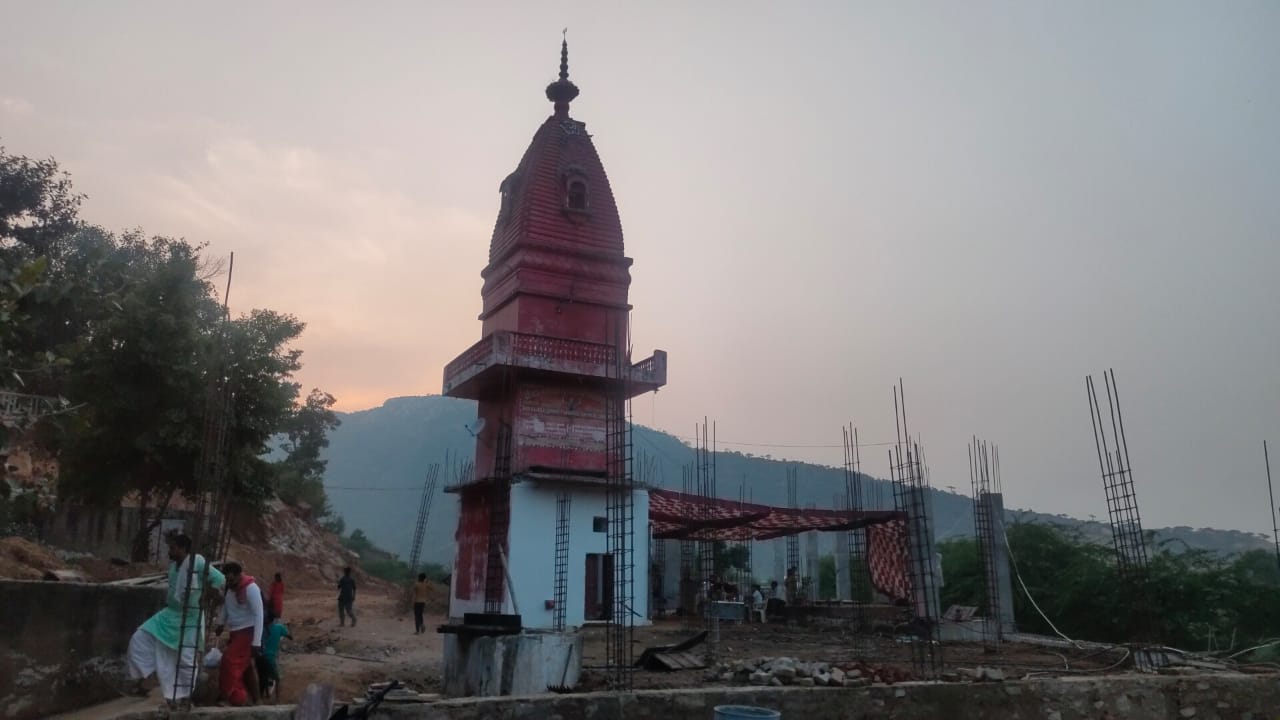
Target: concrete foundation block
<point>524,664</point>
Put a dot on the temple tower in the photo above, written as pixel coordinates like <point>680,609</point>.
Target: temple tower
<point>552,363</point>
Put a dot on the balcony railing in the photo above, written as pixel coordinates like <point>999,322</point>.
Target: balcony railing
<point>538,352</point>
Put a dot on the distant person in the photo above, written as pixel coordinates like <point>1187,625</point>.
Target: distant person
<point>153,649</point>
<point>269,661</point>
<point>419,603</point>
<point>346,598</point>
<point>242,615</point>
<point>792,582</point>
<point>275,599</point>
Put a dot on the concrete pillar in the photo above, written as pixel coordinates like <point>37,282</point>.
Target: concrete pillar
<point>842,567</point>
<point>999,560</point>
<point>812,559</point>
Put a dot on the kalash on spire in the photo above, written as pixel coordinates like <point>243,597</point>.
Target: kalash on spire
<point>551,376</point>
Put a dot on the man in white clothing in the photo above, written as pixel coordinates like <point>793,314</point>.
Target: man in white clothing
<point>242,616</point>
<point>166,645</point>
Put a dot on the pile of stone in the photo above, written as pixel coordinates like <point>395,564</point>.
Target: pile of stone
<point>778,671</point>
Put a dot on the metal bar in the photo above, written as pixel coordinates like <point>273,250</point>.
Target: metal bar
<point>1275,531</point>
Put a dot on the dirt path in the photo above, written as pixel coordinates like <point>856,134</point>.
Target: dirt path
<point>381,646</point>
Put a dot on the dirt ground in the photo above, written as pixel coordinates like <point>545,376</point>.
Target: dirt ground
<point>382,646</point>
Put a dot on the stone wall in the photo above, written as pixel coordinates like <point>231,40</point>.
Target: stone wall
<point>64,643</point>
<point>1117,697</point>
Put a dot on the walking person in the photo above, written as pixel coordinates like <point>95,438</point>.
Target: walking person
<point>419,603</point>
<point>346,598</point>
<point>268,662</point>
<point>154,647</point>
<point>275,600</point>
<point>242,615</point>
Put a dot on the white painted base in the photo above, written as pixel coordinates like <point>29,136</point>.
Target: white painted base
<point>524,664</point>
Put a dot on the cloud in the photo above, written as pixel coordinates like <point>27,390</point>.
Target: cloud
<point>365,265</point>
<point>16,106</point>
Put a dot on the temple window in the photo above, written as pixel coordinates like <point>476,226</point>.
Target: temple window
<point>576,196</point>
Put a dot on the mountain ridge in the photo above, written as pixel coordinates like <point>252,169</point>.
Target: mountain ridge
<point>378,459</point>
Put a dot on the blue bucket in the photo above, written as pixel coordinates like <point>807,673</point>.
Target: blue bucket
<point>745,712</point>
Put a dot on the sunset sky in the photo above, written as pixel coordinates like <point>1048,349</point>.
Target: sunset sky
<point>990,200</point>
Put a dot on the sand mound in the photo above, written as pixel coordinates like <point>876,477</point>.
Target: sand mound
<point>21,559</point>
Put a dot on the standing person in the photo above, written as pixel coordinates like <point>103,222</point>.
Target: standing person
<point>346,598</point>
<point>419,604</point>
<point>153,649</point>
<point>269,661</point>
<point>792,582</point>
<point>242,615</point>
<point>275,599</point>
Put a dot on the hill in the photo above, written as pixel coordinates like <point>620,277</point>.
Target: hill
<point>378,459</point>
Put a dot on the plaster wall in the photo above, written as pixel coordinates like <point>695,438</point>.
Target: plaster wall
<point>531,553</point>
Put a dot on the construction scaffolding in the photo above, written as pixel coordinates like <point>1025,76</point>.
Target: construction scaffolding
<point>213,491</point>
<point>859,577</point>
<point>620,501</point>
<point>746,575</point>
<point>495,586</point>
<point>909,476</point>
<point>792,587</point>
<point>560,591</point>
<point>985,481</point>
<point>424,511</point>
<point>688,572</point>
<point>1122,502</point>
<point>705,481</point>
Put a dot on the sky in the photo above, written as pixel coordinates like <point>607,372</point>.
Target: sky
<point>990,200</point>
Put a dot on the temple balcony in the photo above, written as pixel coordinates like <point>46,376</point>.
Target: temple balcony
<point>479,371</point>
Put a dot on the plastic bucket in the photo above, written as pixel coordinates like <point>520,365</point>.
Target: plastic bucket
<point>745,712</point>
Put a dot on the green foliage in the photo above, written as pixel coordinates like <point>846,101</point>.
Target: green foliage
<point>729,556</point>
<point>388,566</point>
<point>301,477</point>
<point>827,577</point>
<point>129,330</point>
<point>1194,597</point>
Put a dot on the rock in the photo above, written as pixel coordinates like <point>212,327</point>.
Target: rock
<point>804,670</point>
<point>822,678</point>
<point>899,693</point>
<point>854,672</point>
<point>775,682</point>
<point>804,682</point>
<point>822,667</point>
<point>329,650</point>
<point>760,678</point>
<point>837,676</point>
<point>1187,712</point>
<point>856,682</point>
<point>786,672</point>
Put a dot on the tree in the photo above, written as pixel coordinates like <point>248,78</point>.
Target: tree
<point>301,476</point>
<point>129,330</point>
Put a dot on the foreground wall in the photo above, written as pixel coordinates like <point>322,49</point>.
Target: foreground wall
<point>62,645</point>
<point>1130,697</point>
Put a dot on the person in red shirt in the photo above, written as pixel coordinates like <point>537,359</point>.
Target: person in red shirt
<point>275,601</point>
